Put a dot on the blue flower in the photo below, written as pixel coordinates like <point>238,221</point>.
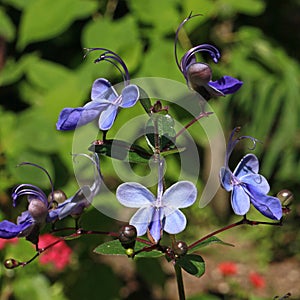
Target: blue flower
<point>105,100</point>
<point>247,186</point>
<point>199,75</point>
<point>41,211</point>
<point>157,214</point>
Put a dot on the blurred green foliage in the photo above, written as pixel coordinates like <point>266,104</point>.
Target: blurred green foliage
<point>42,71</point>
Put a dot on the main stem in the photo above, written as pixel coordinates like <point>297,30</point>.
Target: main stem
<point>179,280</point>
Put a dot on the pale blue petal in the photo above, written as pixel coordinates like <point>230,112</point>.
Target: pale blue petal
<point>240,201</point>
<point>257,182</point>
<point>225,178</point>
<point>248,165</point>
<point>175,220</point>
<point>102,89</point>
<point>133,194</point>
<point>141,219</point>
<point>107,117</point>
<point>130,96</point>
<point>179,195</point>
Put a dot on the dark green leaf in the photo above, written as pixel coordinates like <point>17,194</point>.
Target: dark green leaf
<point>145,101</point>
<point>115,248</point>
<point>209,241</point>
<point>160,132</point>
<point>121,150</point>
<point>193,264</point>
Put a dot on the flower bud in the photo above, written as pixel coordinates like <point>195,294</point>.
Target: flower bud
<point>198,75</point>
<point>38,210</point>
<point>11,263</point>
<point>180,248</point>
<point>286,197</point>
<point>129,252</point>
<point>58,196</point>
<point>127,236</point>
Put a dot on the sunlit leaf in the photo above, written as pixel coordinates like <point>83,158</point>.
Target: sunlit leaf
<point>209,241</point>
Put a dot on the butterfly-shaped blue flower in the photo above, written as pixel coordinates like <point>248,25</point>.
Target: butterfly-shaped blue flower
<point>247,186</point>
<point>156,214</point>
<point>104,106</point>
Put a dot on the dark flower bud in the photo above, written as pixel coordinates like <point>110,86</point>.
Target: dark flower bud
<point>11,263</point>
<point>58,196</point>
<point>127,236</point>
<point>180,248</point>
<point>286,197</point>
<point>199,74</point>
<point>38,210</point>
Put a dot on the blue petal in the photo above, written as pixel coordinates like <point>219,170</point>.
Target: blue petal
<point>248,165</point>
<point>155,226</point>
<point>133,194</point>
<point>179,195</point>
<point>130,96</point>
<point>225,178</point>
<point>226,85</point>
<point>269,206</point>
<point>107,117</point>
<point>102,89</point>
<point>10,230</point>
<point>256,183</point>
<point>175,220</point>
<point>240,201</point>
<point>141,219</point>
<point>69,118</point>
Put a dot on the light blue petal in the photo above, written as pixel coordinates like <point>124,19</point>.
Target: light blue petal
<point>107,117</point>
<point>225,178</point>
<point>102,89</point>
<point>175,220</point>
<point>155,226</point>
<point>133,194</point>
<point>257,182</point>
<point>141,219</point>
<point>248,165</point>
<point>240,201</point>
<point>130,96</point>
<point>179,195</point>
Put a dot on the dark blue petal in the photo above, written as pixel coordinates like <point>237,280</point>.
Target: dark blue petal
<point>155,226</point>
<point>102,89</point>
<point>248,165</point>
<point>10,230</point>
<point>69,118</point>
<point>226,85</point>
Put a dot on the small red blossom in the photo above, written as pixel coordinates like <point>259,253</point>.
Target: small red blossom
<point>59,254</point>
<point>227,268</point>
<point>257,280</point>
<point>3,242</point>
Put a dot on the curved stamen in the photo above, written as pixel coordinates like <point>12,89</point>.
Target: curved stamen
<point>233,142</point>
<point>177,34</point>
<point>45,171</point>
<point>112,56</point>
<point>28,190</point>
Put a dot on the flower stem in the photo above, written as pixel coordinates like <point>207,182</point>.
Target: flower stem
<point>179,280</point>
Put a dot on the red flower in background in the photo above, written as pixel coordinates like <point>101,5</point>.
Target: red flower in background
<point>257,280</point>
<point>3,242</point>
<point>59,254</point>
<point>227,268</point>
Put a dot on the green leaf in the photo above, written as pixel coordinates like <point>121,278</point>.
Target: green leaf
<point>122,151</point>
<point>209,241</point>
<point>7,28</point>
<point>160,130</point>
<point>192,264</point>
<point>145,101</point>
<point>115,248</point>
<point>42,19</point>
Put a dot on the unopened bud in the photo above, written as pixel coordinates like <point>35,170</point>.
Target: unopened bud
<point>198,75</point>
<point>180,248</point>
<point>58,196</point>
<point>286,197</point>
<point>129,252</point>
<point>11,263</point>
<point>38,210</point>
<point>127,236</point>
